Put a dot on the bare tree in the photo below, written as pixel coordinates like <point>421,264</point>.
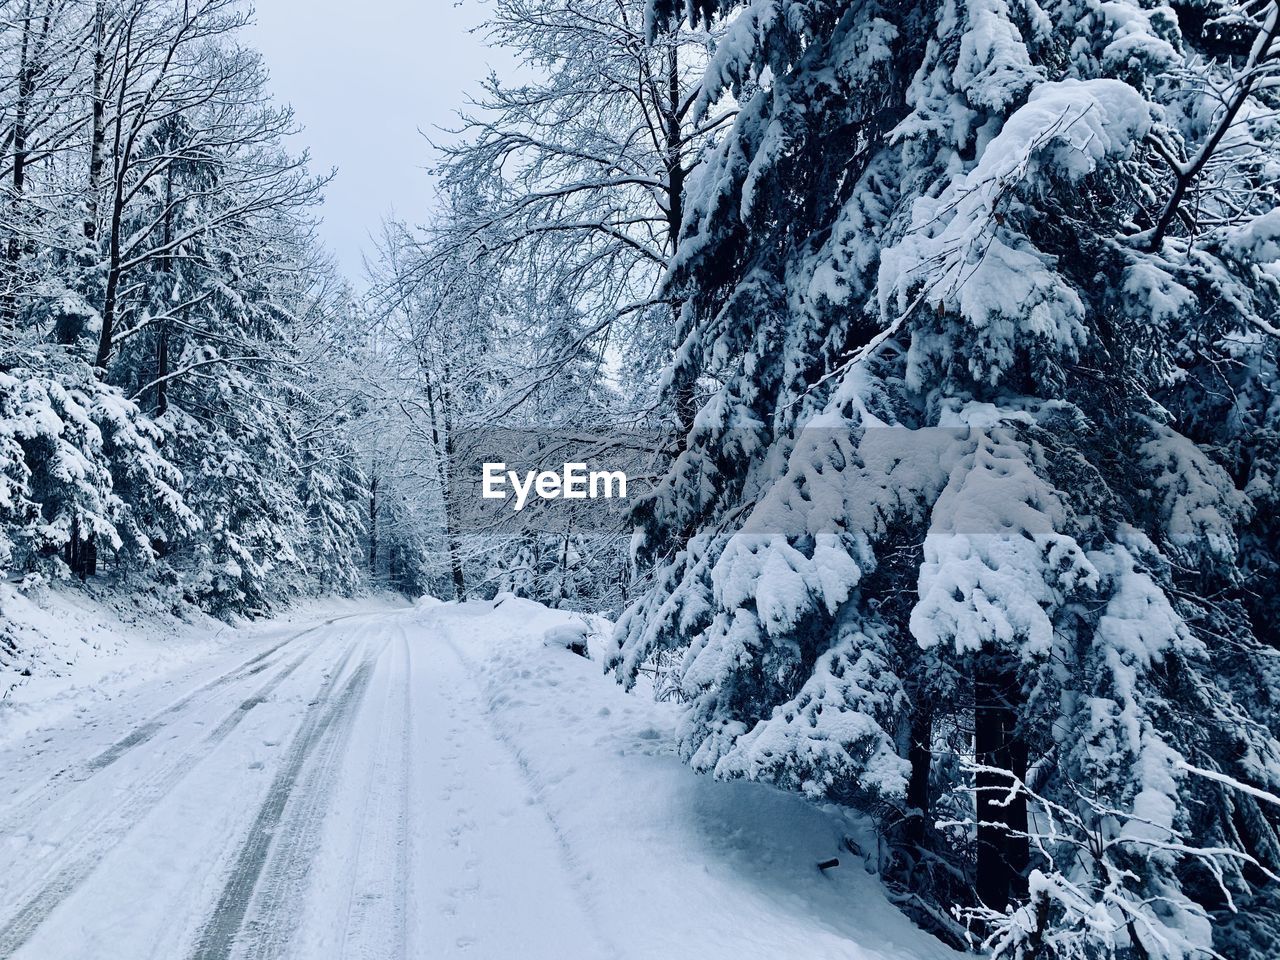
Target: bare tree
<point>167,62</point>
<point>577,177</point>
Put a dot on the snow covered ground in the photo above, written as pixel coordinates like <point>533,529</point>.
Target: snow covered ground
<point>78,648</point>
<point>422,782</point>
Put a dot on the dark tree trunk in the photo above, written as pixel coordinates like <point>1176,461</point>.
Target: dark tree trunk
<point>122,146</point>
<point>25,90</point>
<point>71,552</point>
<point>675,152</point>
<point>920,756</point>
<point>106,338</point>
<point>1002,856</point>
<point>564,567</point>
<point>98,136</point>
<point>81,552</point>
<point>684,401</point>
<point>162,334</point>
<point>162,369</point>
<point>451,530</point>
<point>26,87</point>
<point>89,558</point>
<point>373,526</point>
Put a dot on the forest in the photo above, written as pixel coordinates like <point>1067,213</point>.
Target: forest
<point>940,342</point>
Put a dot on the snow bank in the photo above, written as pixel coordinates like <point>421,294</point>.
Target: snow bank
<point>673,864</point>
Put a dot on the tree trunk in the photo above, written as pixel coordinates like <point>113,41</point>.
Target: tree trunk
<point>1002,856</point>
<point>98,136</point>
<point>564,568</point>
<point>684,403</point>
<point>451,533</point>
<point>25,89</point>
<point>71,552</point>
<point>675,151</point>
<point>162,334</point>
<point>81,552</point>
<point>373,526</point>
<point>105,339</point>
<point>438,401</point>
<point>920,756</point>
<point>162,369</point>
<point>120,151</point>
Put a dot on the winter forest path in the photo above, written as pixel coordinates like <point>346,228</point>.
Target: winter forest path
<point>369,788</point>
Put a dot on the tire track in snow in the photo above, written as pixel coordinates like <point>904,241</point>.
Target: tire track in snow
<point>377,922</point>
<point>331,714</point>
<point>574,870</point>
<point>275,909</point>
<point>151,727</point>
<point>100,835</point>
<point>77,773</point>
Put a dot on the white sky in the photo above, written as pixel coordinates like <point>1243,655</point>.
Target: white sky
<point>364,76</point>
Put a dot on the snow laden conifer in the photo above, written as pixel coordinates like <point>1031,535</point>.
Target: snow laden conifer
<point>80,463</point>
<point>166,398</point>
<point>972,527</point>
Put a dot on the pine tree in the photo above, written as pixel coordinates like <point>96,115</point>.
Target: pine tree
<point>168,392</point>
<point>962,532</point>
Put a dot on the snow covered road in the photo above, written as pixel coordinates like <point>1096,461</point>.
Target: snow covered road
<point>423,783</point>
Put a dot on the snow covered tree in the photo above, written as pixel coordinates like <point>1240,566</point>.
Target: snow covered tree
<point>978,301</point>
<point>163,311</point>
<point>80,463</point>
<point>443,363</point>
<point>476,367</point>
<point>576,176</point>
<point>567,189</point>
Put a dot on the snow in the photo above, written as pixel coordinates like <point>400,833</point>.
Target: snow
<point>1258,240</point>
<point>428,780</point>
<point>828,733</point>
<point>995,567</point>
<point>708,869</point>
<point>74,655</point>
<point>1134,37</point>
<point>1197,499</point>
<point>993,69</point>
<point>962,252</point>
<point>81,649</point>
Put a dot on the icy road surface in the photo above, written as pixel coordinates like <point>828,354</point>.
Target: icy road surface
<point>433,782</point>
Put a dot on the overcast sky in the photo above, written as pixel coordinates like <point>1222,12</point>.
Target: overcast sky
<point>364,76</point>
